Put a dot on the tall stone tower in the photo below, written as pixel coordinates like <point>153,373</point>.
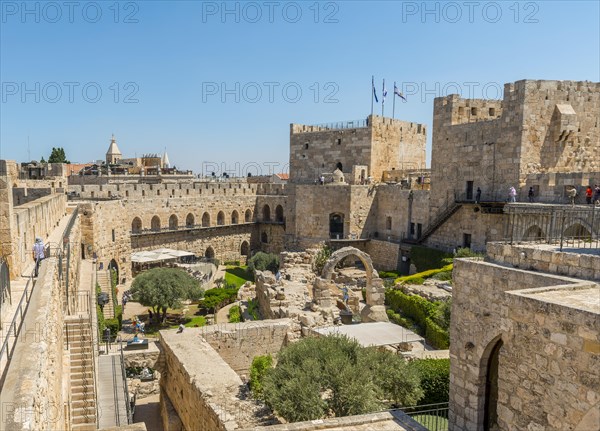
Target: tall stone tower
<point>113,155</point>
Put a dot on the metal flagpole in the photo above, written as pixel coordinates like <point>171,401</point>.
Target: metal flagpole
<point>394,102</point>
<point>383,98</point>
<point>372,92</point>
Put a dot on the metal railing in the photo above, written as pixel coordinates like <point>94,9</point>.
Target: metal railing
<point>565,226</point>
<point>434,417</point>
<point>5,292</point>
<point>340,125</point>
<point>125,388</point>
<point>14,328</point>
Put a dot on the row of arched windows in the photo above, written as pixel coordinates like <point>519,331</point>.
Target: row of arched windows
<point>266,214</point>
<point>244,250</point>
<point>190,221</point>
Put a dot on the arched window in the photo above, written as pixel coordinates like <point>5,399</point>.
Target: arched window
<point>266,213</point>
<point>155,223</point>
<point>189,220</point>
<point>235,218</point>
<point>209,253</point>
<point>136,225</point>
<point>264,238</point>
<point>221,218</point>
<point>245,248</point>
<point>279,214</point>
<point>173,222</point>
<point>388,223</point>
<point>205,220</point>
<point>248,216</point>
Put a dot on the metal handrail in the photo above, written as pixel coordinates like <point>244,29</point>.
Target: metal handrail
<point>125,388</point>
<point>19,312</point>
<point>339,125</point>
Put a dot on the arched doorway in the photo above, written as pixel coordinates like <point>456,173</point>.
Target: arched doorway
<point>279,214</point>
<point>266,212</point>
<point>114,266</point>
<point>220,218</point>
<point>264,238</point>
<point>189,220</point>
<point>155,223</point>
<point>235,218</point>
<point>577,231</point>
<point>339,166</point>
<point>490,414</point>
<point>136,225</point>
<point>336,226</point>
<point>206,220</point>
<point>209,253</point>
<point>173,222</point>
<point>248,216</point>
<point>245,248</point>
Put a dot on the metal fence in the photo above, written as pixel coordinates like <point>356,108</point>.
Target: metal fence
<point>434,417</point>
<point>576,227</point>
<point>338,125</point>
<point>5,292</point>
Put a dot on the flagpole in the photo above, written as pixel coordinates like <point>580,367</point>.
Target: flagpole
<point>394,102</point>
<point>383,98</point>
<point>372,92</point>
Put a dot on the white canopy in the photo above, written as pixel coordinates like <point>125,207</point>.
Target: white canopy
<point>158,255</point>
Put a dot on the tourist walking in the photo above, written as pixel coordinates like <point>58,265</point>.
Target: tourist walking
<point>596,194</point>
<point>512,194</point>
<point>572,193</point>
<point>38,254</point>
<point>478,195</point>
<point>588,195</point>
<point>530,194</point>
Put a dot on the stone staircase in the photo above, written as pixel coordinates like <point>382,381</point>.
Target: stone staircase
<point>83,390</point>
<point>104,282</point>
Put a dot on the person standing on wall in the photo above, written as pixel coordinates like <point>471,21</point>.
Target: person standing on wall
<point>38,253</point>
<point>512,194</point>
<point>588,195</point>
<point>530,194</point>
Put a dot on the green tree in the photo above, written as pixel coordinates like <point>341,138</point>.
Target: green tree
<point>317,377</point>
<point>43,160</point>
<point>264,261</point>
<point>321,258</point>
<point>258,370</point>
<point>58,156</point>
<point>162,288</point>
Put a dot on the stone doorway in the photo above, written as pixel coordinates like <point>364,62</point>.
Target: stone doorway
<point>336,226</point>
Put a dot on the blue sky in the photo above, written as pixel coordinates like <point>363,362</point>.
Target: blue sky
<point>161,68</point>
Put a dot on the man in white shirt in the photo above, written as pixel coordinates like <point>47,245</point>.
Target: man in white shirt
<point>38,253</point>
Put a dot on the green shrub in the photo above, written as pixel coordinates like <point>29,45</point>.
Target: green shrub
<point>235,314</point>
<point>435,379</point>
<point>321,258</point>
<point>388,274</point>
<point>253,309</point>
<point>264,261</point>
<point>425,258</point>
<point>443,276</point>
<point>231,263</point>
<point>119,315</point>
<point>258,369</point>
<point>219,297</point>
<point>113,325</point>
<point>437,336</point>
<point>101,323</point>
<point>420,277</point>
<point>399,320</point>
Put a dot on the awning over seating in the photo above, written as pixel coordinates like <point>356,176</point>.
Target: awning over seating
<point>158,255</point>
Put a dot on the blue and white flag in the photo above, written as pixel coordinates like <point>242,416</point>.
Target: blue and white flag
<point>397,93</point>
<point>384,92</point>
<point>374,92</point>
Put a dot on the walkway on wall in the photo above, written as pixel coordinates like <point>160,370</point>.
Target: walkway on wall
<point>111,392</point>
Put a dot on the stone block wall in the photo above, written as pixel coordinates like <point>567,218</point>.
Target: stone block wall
<point>385,255</point>
<point>578,265</point>
<point>548,361</point>
<point>34,395</point>
<point>238,343</point>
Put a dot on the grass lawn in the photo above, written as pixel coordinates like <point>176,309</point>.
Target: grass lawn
<point>191,319</point>
<point>425,258</point>
<point>238,275</point>
<point>432,422</point>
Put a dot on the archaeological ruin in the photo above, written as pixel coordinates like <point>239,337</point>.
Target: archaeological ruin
<point>525,329</point>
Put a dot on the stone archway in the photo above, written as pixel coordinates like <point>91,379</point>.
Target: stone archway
<point>374,311</point>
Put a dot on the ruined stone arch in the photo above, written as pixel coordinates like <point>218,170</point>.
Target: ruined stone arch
<point>266,213</point>
<point>533,233</point>
<point>173,222</point>
<point>578,230</point>
<point>343,253</point>
<point>248,216</point>
<point>279,214</point>
<point>136,225</point>
<point>235,217</point>
<point>190,220</point>
<point>220,218</point>
<point>155,223</point>
<point>206,220</point>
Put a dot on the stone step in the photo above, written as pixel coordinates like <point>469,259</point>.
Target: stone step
<point>77,419</point>
<point>83,403</point>
<point>84,427</point>
<point>80,390</point>
<point>87,374</point>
